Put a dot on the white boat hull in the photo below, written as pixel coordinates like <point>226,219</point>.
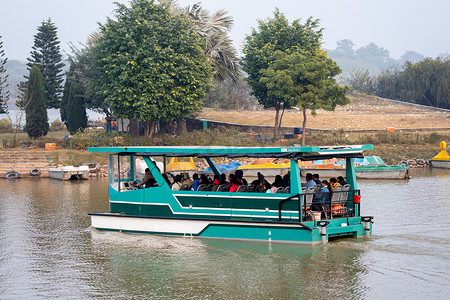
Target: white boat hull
<point>444,164</point>
<point>67,173</point>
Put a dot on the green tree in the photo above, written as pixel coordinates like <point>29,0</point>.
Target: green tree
<point>305,80</point>
<point>345,47</point>
<point>259,52</point>
<point>153,65</point>
<point>35,110</point>
<point>46,54</point>
<point>411,56</point>
<point>75,111</point>
<point>424,82</point>
<point>88,74</point>
<point>4,93</point>
<point>361,81</point>
<point>376,55</point>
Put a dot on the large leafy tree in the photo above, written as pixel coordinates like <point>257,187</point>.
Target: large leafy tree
<point>35,110</point>
<point>153,65</point>
<point>273,35</point>
<point>306,80</point>
<point>4,93</point>
<point>88,74</point>
<point>46,54</point>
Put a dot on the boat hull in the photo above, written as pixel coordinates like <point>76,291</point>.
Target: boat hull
<point>444,164</point>
<point>292,233</point>
<point>64,173</point>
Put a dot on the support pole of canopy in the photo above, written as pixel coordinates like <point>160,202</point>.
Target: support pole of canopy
<point>295,186</point>
<point>155,171</point>
<point>295,177</point>
<point>213,166</point>
<point>351,179</point>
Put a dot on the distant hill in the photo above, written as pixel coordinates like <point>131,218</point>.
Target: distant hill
<point>16,70</point>
<point>349,63</point>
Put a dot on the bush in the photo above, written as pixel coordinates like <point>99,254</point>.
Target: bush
<point>57,125</point>
<point>5,126</point>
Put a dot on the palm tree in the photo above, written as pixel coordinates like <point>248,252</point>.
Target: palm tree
<point>213,28</point>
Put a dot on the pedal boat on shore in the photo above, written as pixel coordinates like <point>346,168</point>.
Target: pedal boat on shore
<point>369,167</point>
<point>69,172</point>
<point>442,160</point>
<point>282,217</point>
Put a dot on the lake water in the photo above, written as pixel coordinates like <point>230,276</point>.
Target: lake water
<point>48,250</point>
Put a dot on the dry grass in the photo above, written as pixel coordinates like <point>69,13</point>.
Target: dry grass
<point>363,112</point>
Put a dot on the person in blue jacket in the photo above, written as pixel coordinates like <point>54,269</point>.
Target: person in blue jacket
<point>323,197</point>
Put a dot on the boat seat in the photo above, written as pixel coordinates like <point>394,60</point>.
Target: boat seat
<point>309,198</point>
<point>241,189</point>
<point>222,188</point>
<point>209,187</point>
<point>287,189</point>
<point>344,194</point>
<point>202,187</point>
<point>184,187</point>
<point>280,189</point>
<point>335,202</point>
<point>251,188</point>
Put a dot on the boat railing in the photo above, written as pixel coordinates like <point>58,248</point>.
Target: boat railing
<point>338,204</point>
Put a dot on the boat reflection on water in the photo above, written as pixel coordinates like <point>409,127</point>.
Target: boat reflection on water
<point>187,267</point>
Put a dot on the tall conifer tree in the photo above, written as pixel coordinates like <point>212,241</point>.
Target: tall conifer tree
<point>4,93</point>
<point>73,110</point>
<point>35,110</point>
<point>46,54</point>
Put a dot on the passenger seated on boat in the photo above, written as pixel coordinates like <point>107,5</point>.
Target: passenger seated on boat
<point>223,179</point>
<point>278,182</point>
<point>187,180</point>
<point>216,182</point>
<point>264,186</point>
<point>240,176</point>
<point>256,182</point>
<point>176,183</point>
<point>309,181</point>
<point>287,180</point>
<point>316,179</point>
<point>234,183</point>
<point>148,180</point>
<point>334,183</point>
<point>196,182</point>
<point>323,197</point>
<point>204,179</point>
<point>341,181</point>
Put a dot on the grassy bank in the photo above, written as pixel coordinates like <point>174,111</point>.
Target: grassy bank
<point>391,147</point>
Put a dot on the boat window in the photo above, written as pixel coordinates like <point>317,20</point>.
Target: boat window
<point>126,168</point>
<point>121,168</point>
<point>113,170</point>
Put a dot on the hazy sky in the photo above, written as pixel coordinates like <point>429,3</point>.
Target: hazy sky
<point>396,25</point>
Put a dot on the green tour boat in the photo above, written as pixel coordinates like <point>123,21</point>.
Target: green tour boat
<point>292,214</point>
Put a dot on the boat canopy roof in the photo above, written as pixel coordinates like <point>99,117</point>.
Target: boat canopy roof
<point>301,153</point>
